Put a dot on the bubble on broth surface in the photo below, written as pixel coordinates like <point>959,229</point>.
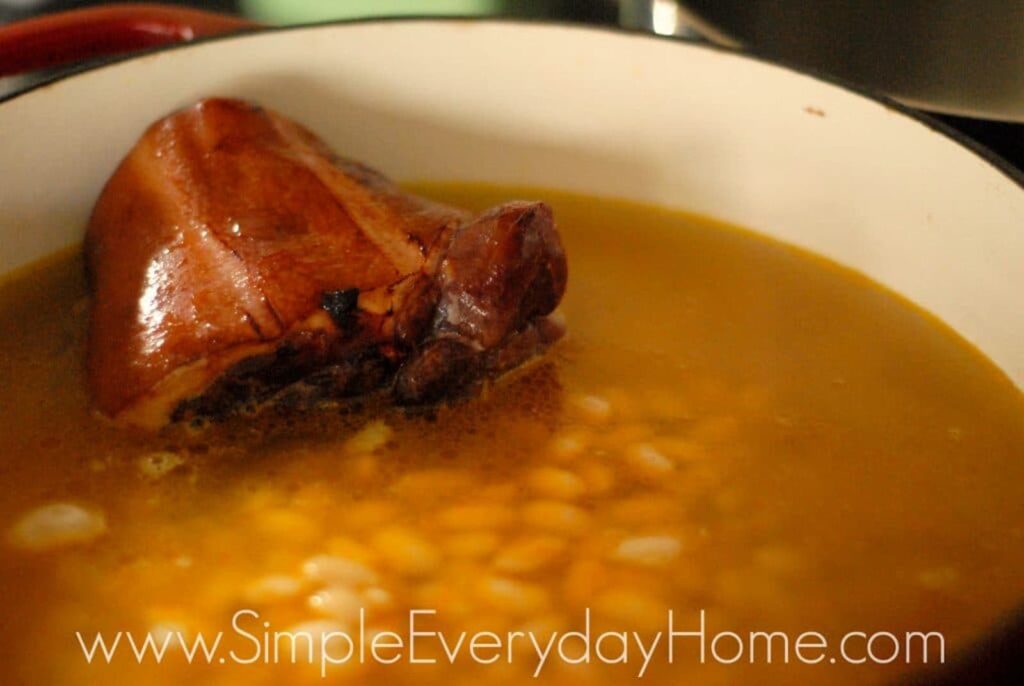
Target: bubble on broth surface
<point>158,464</point>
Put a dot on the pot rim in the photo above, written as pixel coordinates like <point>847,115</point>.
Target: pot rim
<point>987,644</point>
<point>993,159</point>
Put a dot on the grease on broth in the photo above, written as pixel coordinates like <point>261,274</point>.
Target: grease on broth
<point>731,425</point>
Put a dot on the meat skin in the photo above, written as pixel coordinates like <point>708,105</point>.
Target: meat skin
<point>234,259</point>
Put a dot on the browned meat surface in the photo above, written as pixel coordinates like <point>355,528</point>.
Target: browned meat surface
<point>234,259</point>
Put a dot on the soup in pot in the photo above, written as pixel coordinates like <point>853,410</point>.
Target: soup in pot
<point>743,464</point>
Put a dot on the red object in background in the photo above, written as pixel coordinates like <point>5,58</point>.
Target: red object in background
<point>67,37</point>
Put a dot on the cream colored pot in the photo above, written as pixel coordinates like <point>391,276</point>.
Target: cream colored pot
<point>804,161</point>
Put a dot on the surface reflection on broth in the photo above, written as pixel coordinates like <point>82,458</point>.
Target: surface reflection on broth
<point>730,426</point>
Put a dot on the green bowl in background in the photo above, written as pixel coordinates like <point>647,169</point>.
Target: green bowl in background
<point>304,11</point>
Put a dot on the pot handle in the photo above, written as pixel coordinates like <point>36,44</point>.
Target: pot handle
<point>65,37</point>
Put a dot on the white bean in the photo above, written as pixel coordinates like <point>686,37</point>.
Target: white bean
<point>56,525</point>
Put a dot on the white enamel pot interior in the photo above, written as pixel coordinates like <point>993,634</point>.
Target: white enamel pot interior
<point>590,110</point>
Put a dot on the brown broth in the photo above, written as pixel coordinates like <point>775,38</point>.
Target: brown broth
<point>731,425</point>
